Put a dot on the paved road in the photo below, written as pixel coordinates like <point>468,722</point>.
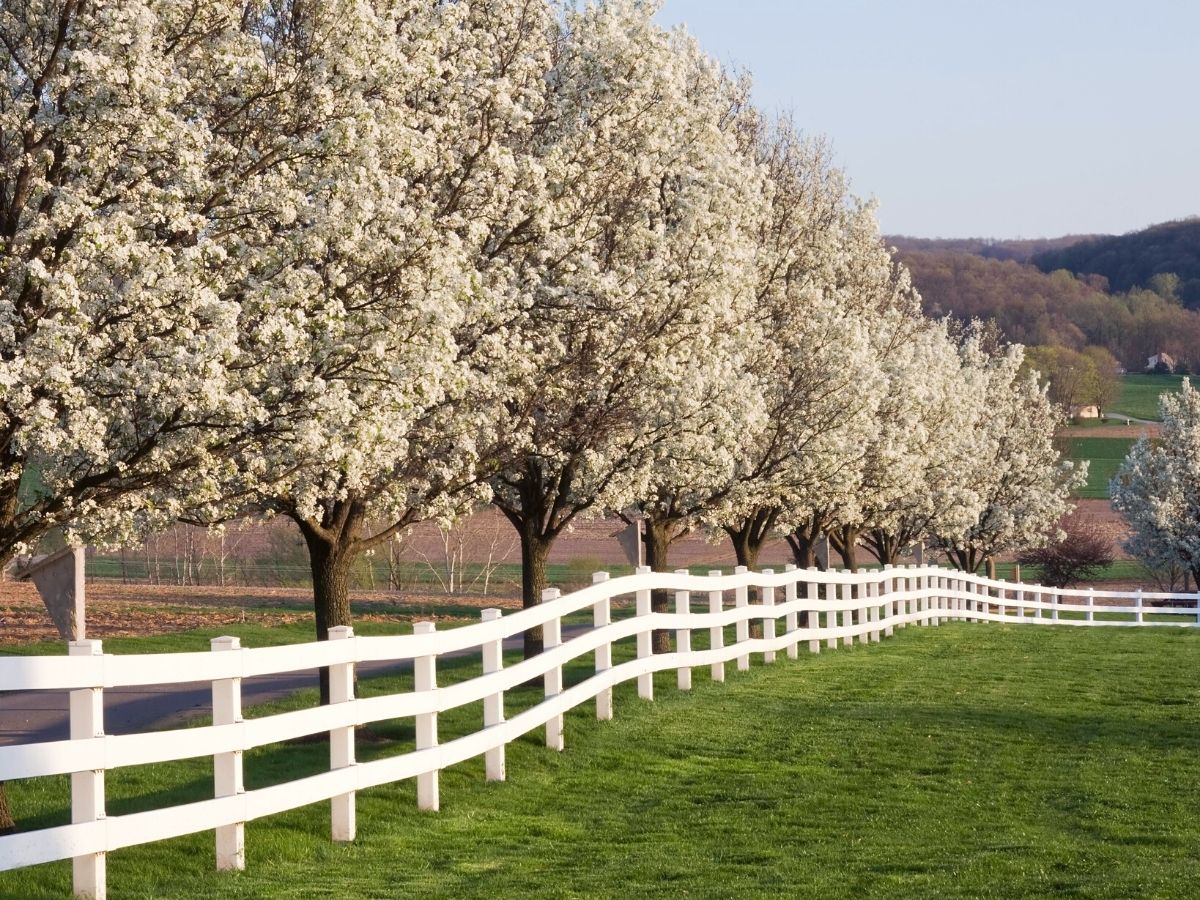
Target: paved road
<point>34,716</point>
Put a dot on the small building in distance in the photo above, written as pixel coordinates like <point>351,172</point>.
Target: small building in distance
<point>1085,412</point>
<point>1160,362</point>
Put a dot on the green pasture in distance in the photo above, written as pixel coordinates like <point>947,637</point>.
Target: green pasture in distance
<point>1104,456</point>
<point>1139,395</point>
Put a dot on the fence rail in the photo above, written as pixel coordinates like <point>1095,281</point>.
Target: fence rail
<point>816,607</point>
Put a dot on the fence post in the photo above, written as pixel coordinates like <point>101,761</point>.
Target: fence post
<point>716,634</point>
<point>1055,600</point>
<point>1198,608</point>
<point>915,603</point>
<point>552,680</point>
<point>683,636</point>
<point>889,606</point>
<point>1091,603</point>
<point>861,613</point>
<point>89,872</point>
<point>792,621</point>
<point>602,616</point>
<point>831,616</point>
<point>1139,618</point>
<point>932,603</point>
<point>342,815</point>
<point>227,767</point>
<point>768,599</point>
<point>741,630</point>
<point>812,592</point>
<point>847,614</point>
<point>873,614</point>
<point>645,638</point>
<point>425,679</point>
<point>493,704</point>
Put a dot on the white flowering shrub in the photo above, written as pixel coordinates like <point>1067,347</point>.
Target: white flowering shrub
<point>1157,488</point>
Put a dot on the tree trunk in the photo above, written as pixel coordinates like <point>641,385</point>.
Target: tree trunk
<point>534,550</point>
<point>7,825</point>
<point>330,561</point>
<point>745,549</point>
<point>845,542</point>
<point>803,543</point>
<point>964,560</point>
<point>884,547</point>
<point>658,544</point>
<point>804,550</point>
<point>748,540</point>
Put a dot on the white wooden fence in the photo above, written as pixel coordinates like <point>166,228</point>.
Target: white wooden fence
<point>840,606</point>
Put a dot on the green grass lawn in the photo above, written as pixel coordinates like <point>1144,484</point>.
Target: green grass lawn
<point>1139,395</point>
<point>1105,455</point>
<point>965,760</point>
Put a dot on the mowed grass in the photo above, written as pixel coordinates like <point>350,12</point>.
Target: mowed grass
<point>964,760</point>
<point>1139,395</point>
<point>1104,455</point>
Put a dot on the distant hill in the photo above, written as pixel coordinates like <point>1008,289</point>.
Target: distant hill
<point>1033,307</point>
<point>1134,260</point>
<point>989,248</point>
<point>1030,306</point>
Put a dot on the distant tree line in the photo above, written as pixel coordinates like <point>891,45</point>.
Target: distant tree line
<point>1164,258</point>
<point>1060,308</point>
<point>1018,250</point>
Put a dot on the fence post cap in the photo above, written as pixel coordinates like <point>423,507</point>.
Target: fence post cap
<point>228,642</point>
<point>740,570</point>
<point>490,614</point>
<point>715,573</point>
<point>550,594</point>
<point>424,627</point>
<point>85,648</point>
<point>598,577</point>
<point>683,572</point>
<point>642,570</point>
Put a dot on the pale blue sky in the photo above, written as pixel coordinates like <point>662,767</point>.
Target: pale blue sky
<point>971,118</point>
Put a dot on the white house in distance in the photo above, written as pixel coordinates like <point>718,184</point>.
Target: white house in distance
<point>1164,358</point>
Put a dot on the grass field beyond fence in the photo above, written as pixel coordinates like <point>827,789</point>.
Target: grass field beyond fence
<point>1139,395</point>
<point>1104,455</point>
<point>965,760</point>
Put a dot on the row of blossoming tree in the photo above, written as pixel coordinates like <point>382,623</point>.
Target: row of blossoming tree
<point>361,263</point>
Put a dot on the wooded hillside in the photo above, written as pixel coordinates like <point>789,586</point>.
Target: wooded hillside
<point>1059,308</point>
<point>1140,259</point>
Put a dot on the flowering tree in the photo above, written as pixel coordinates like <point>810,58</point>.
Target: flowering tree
<point>811,359</point>
<point>926,439</point>
<point>1023,484</point>
<point>118,315</point>
<point>1157,488</point>
<point>379,348</point>
<point>643,197</point>
<point>877,292</point>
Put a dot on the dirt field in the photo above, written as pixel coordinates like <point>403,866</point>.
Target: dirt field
<point>1112,431</point>
<point>119,610</point>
